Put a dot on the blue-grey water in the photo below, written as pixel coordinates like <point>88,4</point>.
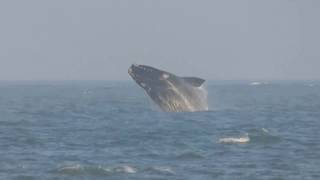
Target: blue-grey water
<point>111,130</point>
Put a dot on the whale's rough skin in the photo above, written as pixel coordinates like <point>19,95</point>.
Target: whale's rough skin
<point>170,92</point>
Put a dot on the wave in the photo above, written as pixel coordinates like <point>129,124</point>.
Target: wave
<point>189,156</point>
<point>264,136</point>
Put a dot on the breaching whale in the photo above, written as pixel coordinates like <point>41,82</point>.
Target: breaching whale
<point>171,92</point>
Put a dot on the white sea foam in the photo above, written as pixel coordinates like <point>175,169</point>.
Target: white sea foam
<point>126,169</point>
<point>243,139</point>
<point>71,168</point>
<point>265,130</point>
<point>255,83</point>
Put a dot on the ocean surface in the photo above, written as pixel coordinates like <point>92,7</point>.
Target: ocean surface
<point>83,130</point>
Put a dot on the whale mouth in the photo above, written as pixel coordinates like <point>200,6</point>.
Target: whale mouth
<point>133,71</point>
<point>130,71</point>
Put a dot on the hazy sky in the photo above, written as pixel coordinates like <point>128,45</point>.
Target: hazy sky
<point>225,39</point>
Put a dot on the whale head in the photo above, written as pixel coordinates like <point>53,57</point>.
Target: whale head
<point>149,77</point>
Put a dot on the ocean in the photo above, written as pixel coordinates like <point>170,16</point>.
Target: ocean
<point>83,130</point>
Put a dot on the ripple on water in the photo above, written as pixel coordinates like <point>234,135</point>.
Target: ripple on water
<point>264,136</point>
<point>190,156</point>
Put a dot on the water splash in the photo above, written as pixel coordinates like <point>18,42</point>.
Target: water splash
<point>185,99</point>
<point>203,96</point>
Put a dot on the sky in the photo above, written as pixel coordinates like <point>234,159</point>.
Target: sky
<point>212,39</point>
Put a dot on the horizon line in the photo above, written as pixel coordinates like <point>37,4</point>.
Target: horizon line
<point>244,79</point>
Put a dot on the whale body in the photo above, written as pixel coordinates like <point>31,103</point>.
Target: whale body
<point>171,92</point>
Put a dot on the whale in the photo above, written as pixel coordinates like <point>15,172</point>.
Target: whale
<point>170,92</point>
